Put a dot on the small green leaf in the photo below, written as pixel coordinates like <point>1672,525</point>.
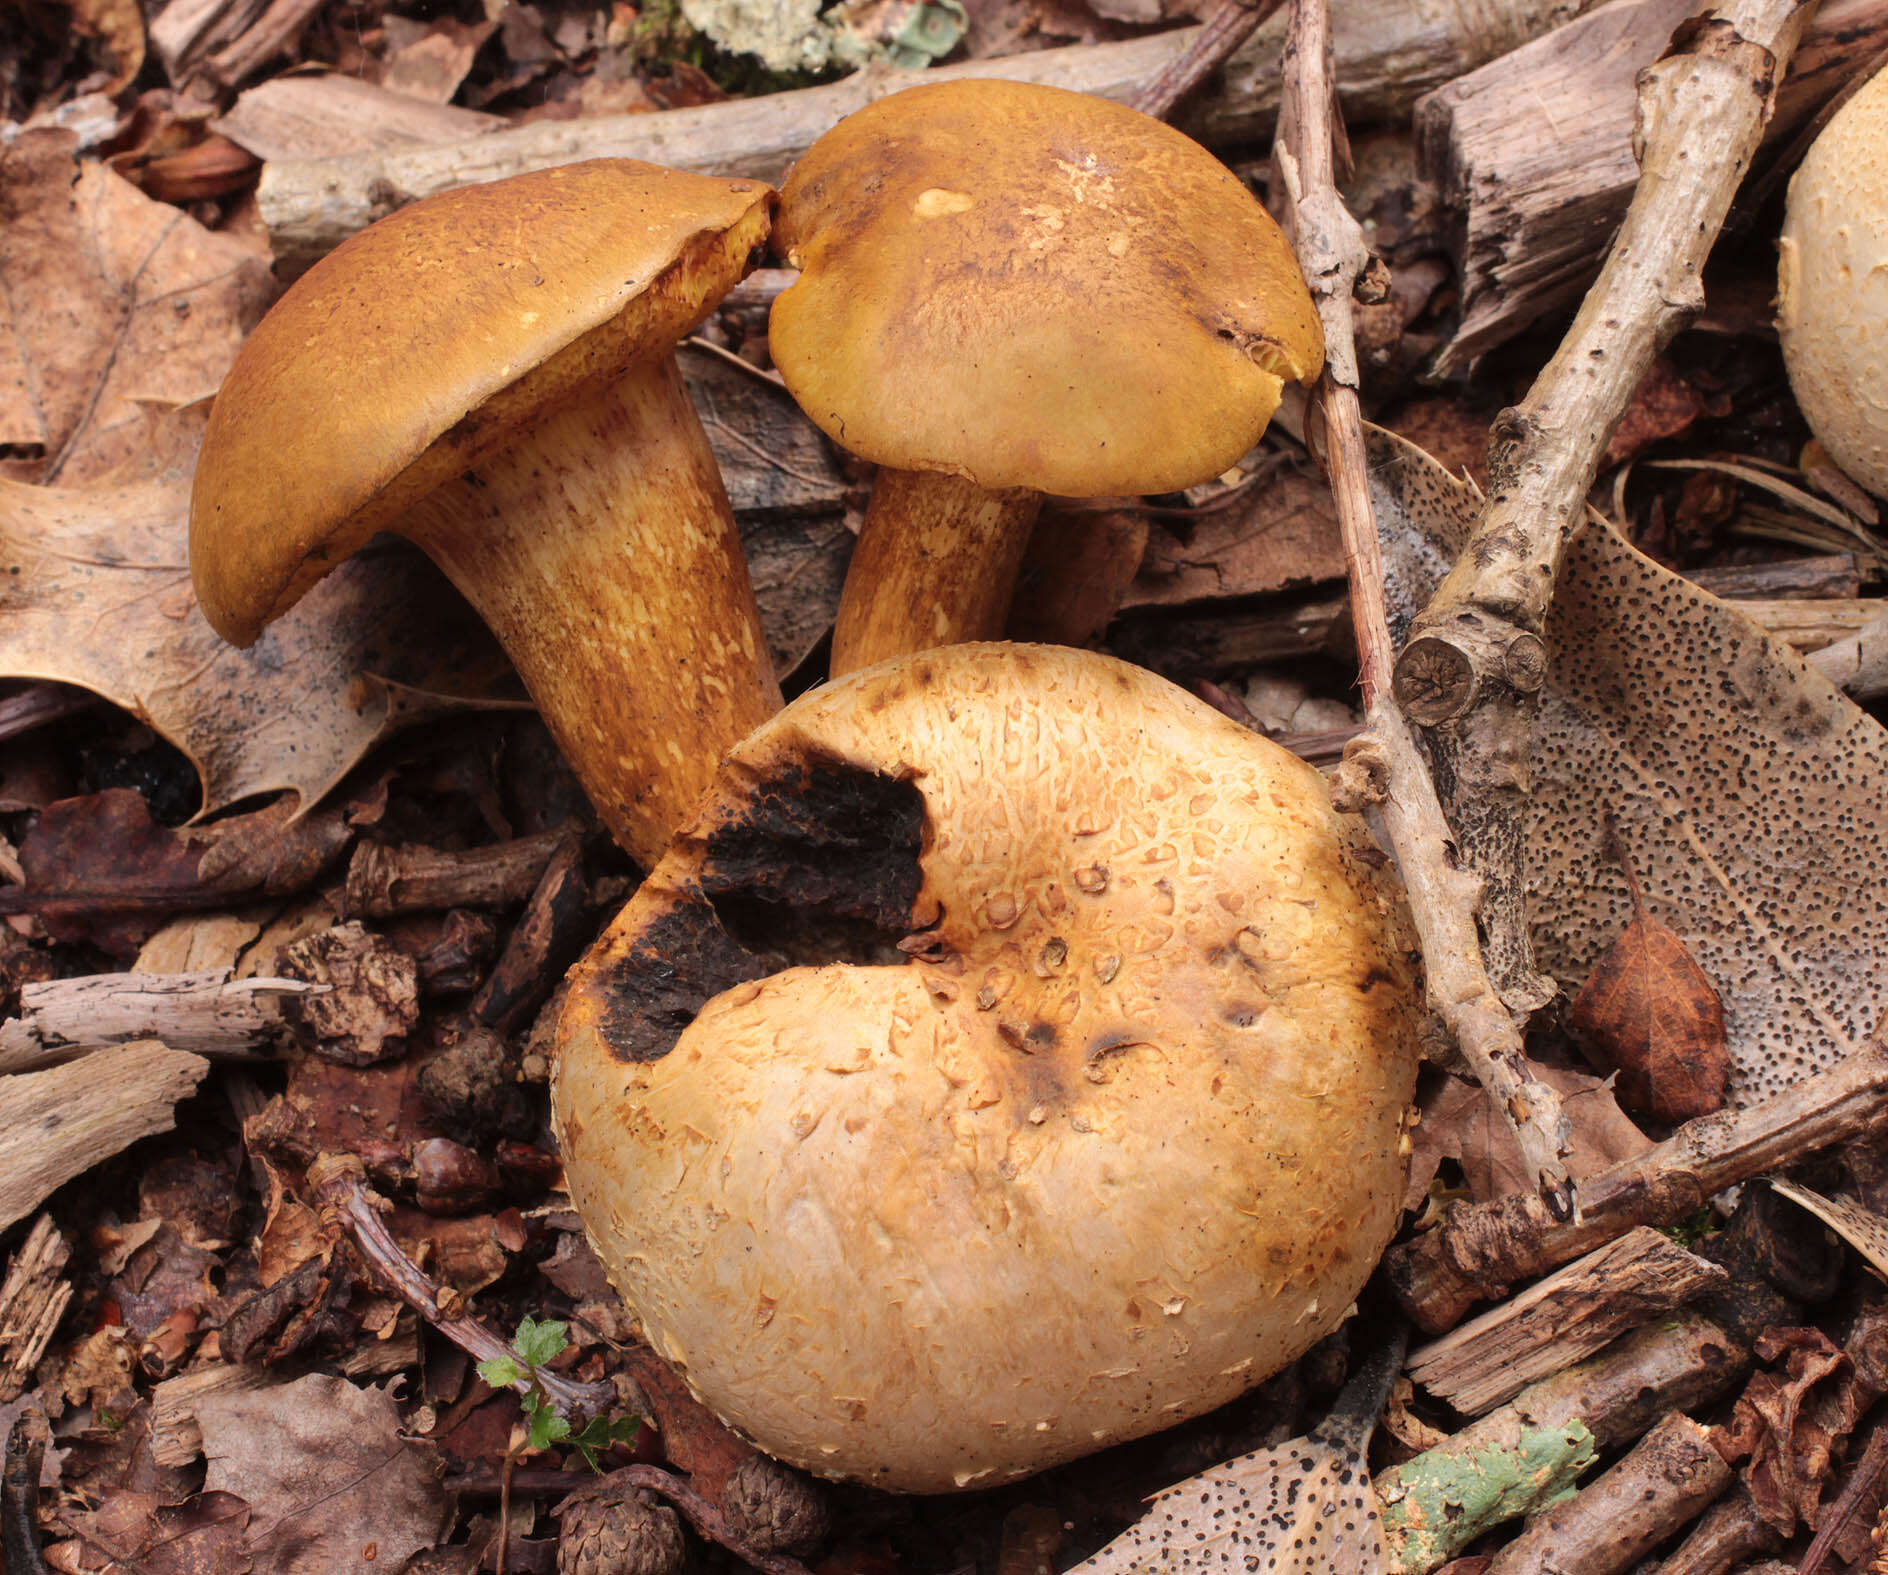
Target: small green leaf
<point>501,1372</point>
<point>539,1343</point>
<point>547,1427</point>
<point>599,1433</point>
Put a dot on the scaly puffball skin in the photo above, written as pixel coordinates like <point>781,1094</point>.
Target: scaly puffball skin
<point>1119,1141</point>
<point>1832,287</point>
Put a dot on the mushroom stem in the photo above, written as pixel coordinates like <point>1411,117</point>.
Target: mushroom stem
<point>936,565</point>
<point>602,551</point>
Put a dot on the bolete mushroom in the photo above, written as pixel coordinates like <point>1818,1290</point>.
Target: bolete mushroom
<point>1832,286</point>
<point>1009,290</point>
<point>490,373</point>
<point>1011,1059</point>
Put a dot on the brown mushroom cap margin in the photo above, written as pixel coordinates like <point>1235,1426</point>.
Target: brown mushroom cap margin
<point>1120,1139</point>
<point>1009,290</point>
<point>391,389</point>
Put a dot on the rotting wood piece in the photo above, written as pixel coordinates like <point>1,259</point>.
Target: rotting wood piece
<point>383,879</point>
<point>33,1298</point>
<point>1472,668</point>
<point>1518,1456</point>
<point>1533,153</point>
<point>1386,57</point>
<point>1727,1534</point>
<point>206,1013</point>
<point>1562,1319</point>
<point>1478,1249</point>
<point>1663,1483</point>
<point>58,1123</point>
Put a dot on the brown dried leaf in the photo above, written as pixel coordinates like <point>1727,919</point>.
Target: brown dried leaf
<point>1755,791</point>
<point>1663,406</point>
<point>1648,1013</point>
<point>1461,1123</point>
<point>329,1482</point>
<point>1781,1433</point>
<point>1280,532</point>
<point>207,1536</point>
<point>100,869</point>
<point>107,299</point>
<point>98,595</point>
<point>119,26</point>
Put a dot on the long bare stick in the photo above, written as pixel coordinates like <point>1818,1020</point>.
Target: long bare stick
<point>1473,666</point>
<point>1384,764</point>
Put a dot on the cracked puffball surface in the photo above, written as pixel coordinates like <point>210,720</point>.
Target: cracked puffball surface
<point>1028,287</point>
<point>1011,1059</point>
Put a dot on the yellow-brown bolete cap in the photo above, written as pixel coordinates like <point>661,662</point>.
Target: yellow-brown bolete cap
<point>1011,1059</point>
<point>1832,286</point>
<point>490,372</point>
<point>1008,290</point>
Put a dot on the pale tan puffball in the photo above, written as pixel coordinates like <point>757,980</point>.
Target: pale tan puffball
<point>1011,1059</point>
<point>1832,286</point>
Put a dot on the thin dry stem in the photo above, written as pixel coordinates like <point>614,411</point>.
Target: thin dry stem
<point>1207,50</point>
<point>339,1184</point>
<point>1443,899</point>
<point>1475,661</point>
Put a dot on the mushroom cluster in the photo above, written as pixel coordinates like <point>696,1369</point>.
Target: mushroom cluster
<point>1010,1059</point>
<point>490,372</point>
<point>1832,286</point>
<point>1007,291</point>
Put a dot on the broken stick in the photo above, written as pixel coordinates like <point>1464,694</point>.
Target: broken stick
<point>206,1013</point>
<point>1478,1249</point>
<point>1472,669</point>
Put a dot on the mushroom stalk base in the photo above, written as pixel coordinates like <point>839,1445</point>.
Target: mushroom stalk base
<point>936,565</point>
<point>602,551</point>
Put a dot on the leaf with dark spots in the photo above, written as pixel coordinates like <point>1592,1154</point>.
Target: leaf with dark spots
<point>1649,1013</point>
<point>1754,791</point>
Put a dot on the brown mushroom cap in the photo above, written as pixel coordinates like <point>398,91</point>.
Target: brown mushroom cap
<point>1034,288</point>
<point>1832,286</point>
<point>423,343</point>
<point>1118,1141</point>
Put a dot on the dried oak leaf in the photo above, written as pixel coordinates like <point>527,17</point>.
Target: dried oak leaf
<point>1754,790</point>
<point>329,1482</point>
<point>107,300</point>
<point>1648,1013</point>
<point>97,593</point>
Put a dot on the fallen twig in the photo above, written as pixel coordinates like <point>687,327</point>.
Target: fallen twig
<point>1210,46</point>
<point>1522,1455</point>
<point>1478,1249</point>
<point>1386,769</point>
<point>1663,1483</point>
<point>1472,669</point>
<point>339,1187</point>
<point>19,1496</point>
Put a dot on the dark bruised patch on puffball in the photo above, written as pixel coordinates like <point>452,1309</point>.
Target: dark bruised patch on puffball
<point>818,864</point>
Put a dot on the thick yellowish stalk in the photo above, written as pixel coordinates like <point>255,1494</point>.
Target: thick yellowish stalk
<point>936,565</point>
<point>601,549</point>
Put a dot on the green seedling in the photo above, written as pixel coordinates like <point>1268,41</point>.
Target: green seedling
<point>534,1348</point>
